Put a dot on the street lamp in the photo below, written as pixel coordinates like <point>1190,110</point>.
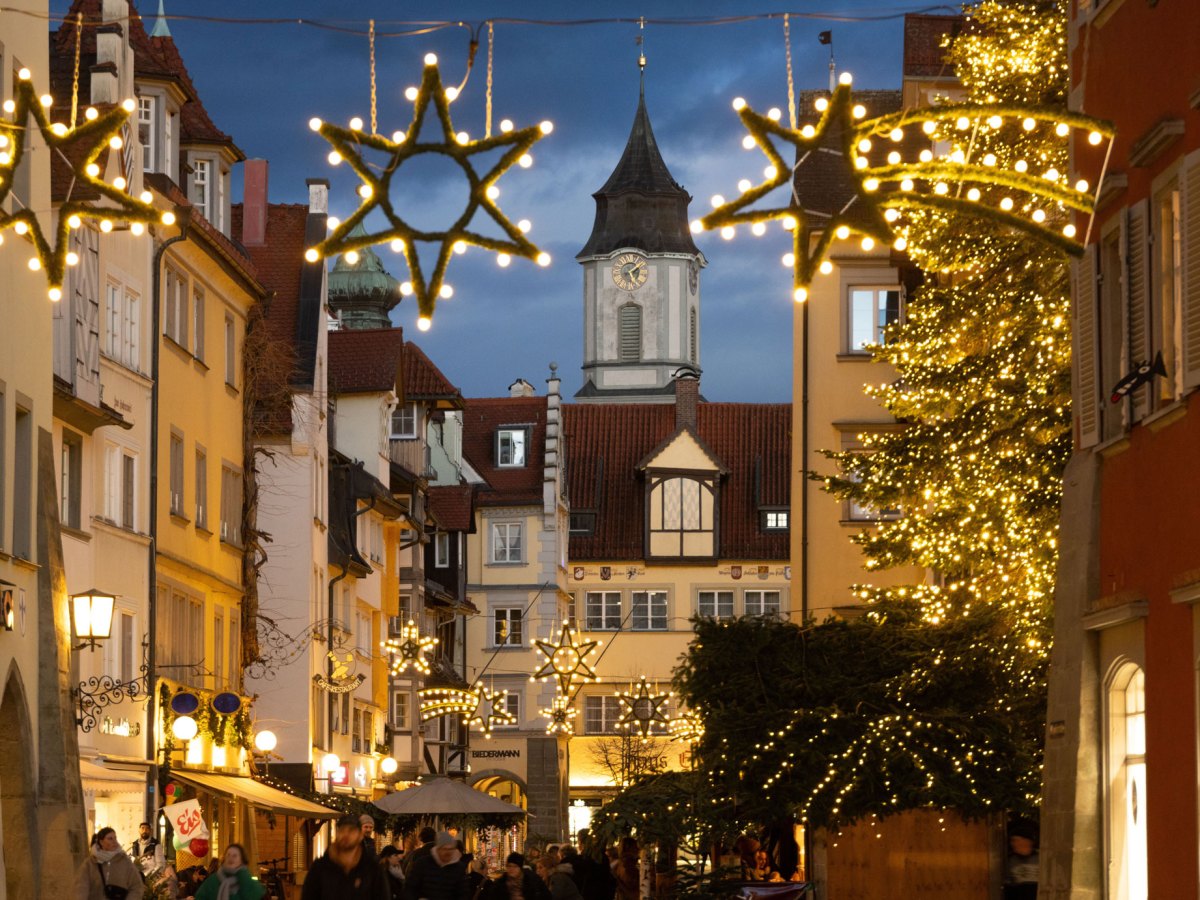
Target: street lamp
<point>388,765</point>
<point>91,617</point>
<point>184,728</point>
<point>265,741</point>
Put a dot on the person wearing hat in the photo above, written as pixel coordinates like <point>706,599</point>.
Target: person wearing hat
<point>345,872</point>
<point>517,883</point>
<point>440,876</point>
<point>368,841</point>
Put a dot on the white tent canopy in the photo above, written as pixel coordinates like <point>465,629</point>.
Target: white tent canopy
<point>442,796</point>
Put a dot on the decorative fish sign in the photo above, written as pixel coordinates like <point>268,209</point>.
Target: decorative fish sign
<point>1144,373</point>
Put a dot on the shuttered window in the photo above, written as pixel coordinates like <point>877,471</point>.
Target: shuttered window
<point>1137,269</point>
<point>1083,357</point>
<point>1190,242</point>
<point>1111,330</point>
<point>694,337</point>
<point>630,322</point>
<point>1166,291</point>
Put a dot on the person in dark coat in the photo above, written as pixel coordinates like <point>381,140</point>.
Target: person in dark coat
<point>345,872</point>
<point>517,883</point>
<point>442,875</point>
<point>425,836</point>
<point>391,860</point>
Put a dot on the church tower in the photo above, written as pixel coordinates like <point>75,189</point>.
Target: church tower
<point>641,280</point>
<point>362,293</point>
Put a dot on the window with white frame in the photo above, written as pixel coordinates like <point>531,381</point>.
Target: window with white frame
<point>176,468</point>
<point>404,422</point>
<point>147,114</point>
<point>202,174</point>
<point>122,325</point>
<point>362,633</point>
<point>401,710</point>
<point>71,478</point>
<point>441,549</point>
<point>507,627</point>
<point>649,610</point>
<point>1125,761</point>
<point>125,631</point>
<point>600,714</point>
<point>230,351</point>
<point>602,610</point>
<point>231,506</point>
<point>506,542</point>
<point>218,657</point>
<point>871,311</point>
<point>356,741</point>
<point>175,306</point>
<point>762,603</point>
<point>120,469</point>
<point>511,446</point>
<point>715,604</point>
<point>198,322</point>
<point>201,488</point>
<point>775,520</point>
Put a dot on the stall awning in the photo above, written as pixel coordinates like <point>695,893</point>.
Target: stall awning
<point>98,779</point>
<point>256,794</point>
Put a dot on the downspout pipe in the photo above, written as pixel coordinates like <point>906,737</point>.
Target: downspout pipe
<point>183,217</point>
<point>804,579</point>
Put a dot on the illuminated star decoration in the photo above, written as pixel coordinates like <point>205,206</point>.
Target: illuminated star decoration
<point>566,661</point>
<point>477,705</point>
<point>85,143</point>
<point>561,716</point>
<point>687,727</point>
<point>409,650</point>
<point>642,709</point>
<point>375,192</point>
<point>869,199</point>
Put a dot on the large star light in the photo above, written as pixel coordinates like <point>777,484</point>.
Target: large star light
<point>375,191</point>
<point>81,148</point>
<point>566,661</point>
<point>643,708</point>
<point>851,177</point>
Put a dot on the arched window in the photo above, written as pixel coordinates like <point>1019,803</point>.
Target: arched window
<point>1126,784</point>
<point>630,337</point>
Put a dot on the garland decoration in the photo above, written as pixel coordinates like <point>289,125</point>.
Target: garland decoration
<point>643,709</point>
<point>866,187</point>
<point>81,148</point>
<point>375,191</point>
<point>409,650</point>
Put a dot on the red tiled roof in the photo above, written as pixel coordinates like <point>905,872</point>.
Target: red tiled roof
<point>154,58</point>
<point>425,381</point>
<point>925,44</point>
<point>605,442</point>
<point>365,361</point>
<point>451,506</point>
<point>508,486</point>
<point>235,251</point>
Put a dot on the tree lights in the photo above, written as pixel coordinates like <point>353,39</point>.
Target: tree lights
<point>375,191</point>
<point>82,148</point>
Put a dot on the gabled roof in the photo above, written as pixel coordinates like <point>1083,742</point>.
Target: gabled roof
<point>451,506</point>
<point>606,442</point>
<point>425,381</point>
<point>641,205</point>
<point>365,362</point>
<point>510,485</point>
<point>155,58</point>
<point>666,454</point>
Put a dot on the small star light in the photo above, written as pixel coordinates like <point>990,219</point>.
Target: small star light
<point>375,192</point>
<point>82,147</point>
<point>850,177</point>
<point>409,649</point>
<point>492,710</point>
<point>566,661</point>
<point>561,716</point>
<point>642,709</point>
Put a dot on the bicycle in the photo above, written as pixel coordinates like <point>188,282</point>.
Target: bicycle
<point>272,878</point>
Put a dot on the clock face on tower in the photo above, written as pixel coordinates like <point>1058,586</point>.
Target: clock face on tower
<point>630,271</point>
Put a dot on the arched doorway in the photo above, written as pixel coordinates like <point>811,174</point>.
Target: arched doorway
<point>17,801</point>
<point>494,844</point>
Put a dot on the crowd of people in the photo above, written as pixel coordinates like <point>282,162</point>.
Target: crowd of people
<point>353,869</point>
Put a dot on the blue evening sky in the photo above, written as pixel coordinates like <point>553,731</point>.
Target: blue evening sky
<point>262,83</point>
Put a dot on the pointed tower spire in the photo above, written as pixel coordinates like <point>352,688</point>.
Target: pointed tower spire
<point>160,24</point>
<point>641,205</point>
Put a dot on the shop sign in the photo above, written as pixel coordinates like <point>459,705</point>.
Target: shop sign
<point>120,727</point>
<point>340,775</point>
<point>495,754</point>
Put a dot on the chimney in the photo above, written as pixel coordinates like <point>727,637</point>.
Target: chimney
<point>687,397</point>
<point>521,388</point>
<point>318,196</point>
<point>551,467</point>
<point>254,203</point>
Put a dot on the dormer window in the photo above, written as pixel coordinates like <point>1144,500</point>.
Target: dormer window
<point>404,422</point>
<point>147,116</point>
<point>682,517</point>
<point>774,520</point>
<point>511,446</point>
<point>202,187</point>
